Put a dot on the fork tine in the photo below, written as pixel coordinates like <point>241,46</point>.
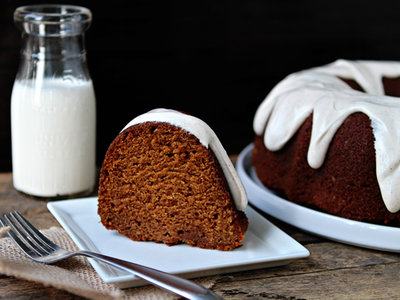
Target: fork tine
<point>23,237</point>
<point>21,244</point>
<point>33,234</point>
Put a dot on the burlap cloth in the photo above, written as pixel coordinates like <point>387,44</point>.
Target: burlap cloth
<point>74,275</point>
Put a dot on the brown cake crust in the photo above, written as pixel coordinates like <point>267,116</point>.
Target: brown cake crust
<point>159,183</point>
<point>345,185</point>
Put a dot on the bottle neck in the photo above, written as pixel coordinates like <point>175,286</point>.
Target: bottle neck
<point>53,48</point>
<point>61,56</point>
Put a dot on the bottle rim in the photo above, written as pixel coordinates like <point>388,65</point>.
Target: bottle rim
<point>53,20</point>
<point>52,14</point>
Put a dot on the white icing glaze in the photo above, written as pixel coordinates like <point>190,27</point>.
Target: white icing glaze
<point>208,138</point>
<point>321,92</point>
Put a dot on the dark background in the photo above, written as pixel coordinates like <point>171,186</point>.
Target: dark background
<point>214,59</point>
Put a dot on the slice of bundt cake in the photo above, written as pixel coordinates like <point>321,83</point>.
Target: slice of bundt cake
<point>166,178</point>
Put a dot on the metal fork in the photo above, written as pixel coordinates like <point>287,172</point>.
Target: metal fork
<point>39,248</point>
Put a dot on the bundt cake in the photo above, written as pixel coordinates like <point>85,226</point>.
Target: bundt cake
<point>329,138</point>
<point>166,178</point>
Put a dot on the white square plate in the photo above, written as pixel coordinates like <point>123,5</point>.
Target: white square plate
<point>265,246</point>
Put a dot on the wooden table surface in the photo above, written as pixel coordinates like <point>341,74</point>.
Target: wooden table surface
<point>333,270</point>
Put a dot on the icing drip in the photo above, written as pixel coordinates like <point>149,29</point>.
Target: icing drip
<point>319,91</point>
<point>208,138</point>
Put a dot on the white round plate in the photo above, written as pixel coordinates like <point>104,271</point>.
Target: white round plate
<point>335,228</point>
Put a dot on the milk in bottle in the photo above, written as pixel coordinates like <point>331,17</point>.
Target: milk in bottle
<point>53,110</point>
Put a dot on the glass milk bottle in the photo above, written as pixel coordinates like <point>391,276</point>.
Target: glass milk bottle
<point>53,110</point>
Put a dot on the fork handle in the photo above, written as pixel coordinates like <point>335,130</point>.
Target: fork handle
<point>172,283</point>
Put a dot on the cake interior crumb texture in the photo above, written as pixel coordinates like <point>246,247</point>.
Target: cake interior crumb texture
<point>159,183</point>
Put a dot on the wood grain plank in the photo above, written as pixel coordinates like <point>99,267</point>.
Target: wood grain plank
<point>366,282</point>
